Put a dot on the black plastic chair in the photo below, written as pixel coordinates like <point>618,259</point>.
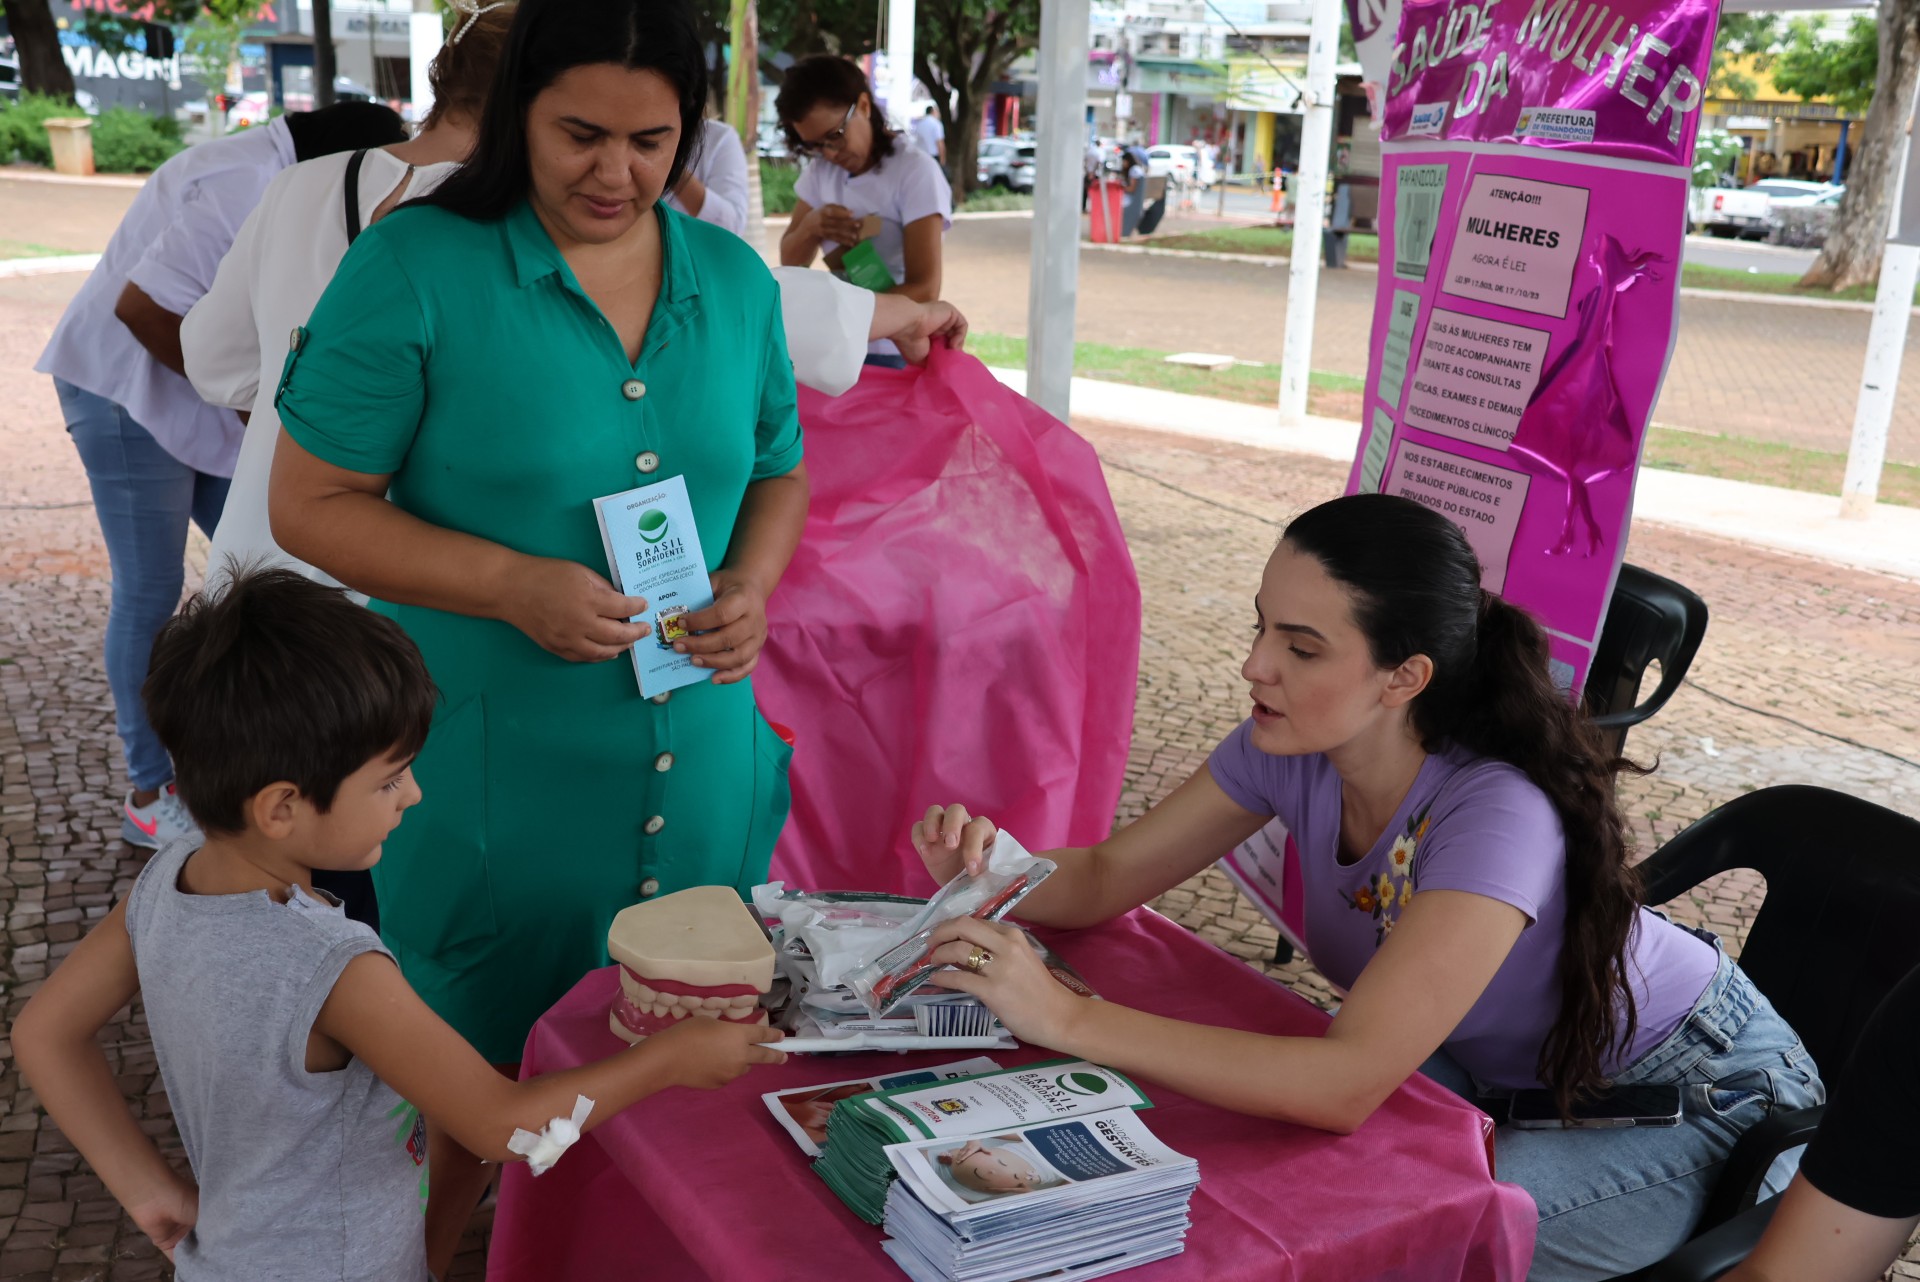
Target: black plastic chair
<point>1648,618</point>
<point>1834,935</point>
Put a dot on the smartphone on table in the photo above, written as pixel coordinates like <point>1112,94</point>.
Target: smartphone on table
<point>1621,1107</point>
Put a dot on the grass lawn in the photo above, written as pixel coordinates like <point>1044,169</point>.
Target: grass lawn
<point>1340,396</point>
<point>27,249</point>
<point>1363,247</point>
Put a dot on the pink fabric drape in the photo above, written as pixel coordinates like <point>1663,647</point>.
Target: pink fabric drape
<point>960,624</point>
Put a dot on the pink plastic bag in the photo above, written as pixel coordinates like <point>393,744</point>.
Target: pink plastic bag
<point>960,624</point>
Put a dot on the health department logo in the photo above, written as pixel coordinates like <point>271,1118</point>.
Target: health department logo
<point>1427,118</point>
<point>653,525</point>
<point>1082,1083</point>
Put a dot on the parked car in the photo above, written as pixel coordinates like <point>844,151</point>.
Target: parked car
<point>1173,160</point>
<point>1804,223</point>
<point>1005,162</point>
<point>250,109</point>
<point>1745,211</point>
<point>9,78</point>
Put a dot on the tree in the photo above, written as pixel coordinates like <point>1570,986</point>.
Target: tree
<point>788,30</point>
<point>36,42</point>
<point>961,49</point>
<point>1809,65</point>
<point>1742,40</point>
<point>1838,69</point>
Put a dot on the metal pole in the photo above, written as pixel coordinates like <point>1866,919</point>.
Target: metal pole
<point>1303,275</point>
<point>424,38</point>
<point>1054,280</point>
<point>1886,344</point>
<point>743,106</point>
<point>899,86</point>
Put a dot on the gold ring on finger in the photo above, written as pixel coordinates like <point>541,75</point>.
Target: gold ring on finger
<point>977,959</point>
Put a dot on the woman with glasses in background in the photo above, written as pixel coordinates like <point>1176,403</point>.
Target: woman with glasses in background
<point>857,169</point>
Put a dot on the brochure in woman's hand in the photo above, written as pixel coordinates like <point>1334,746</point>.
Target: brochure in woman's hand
<point>653,550</point>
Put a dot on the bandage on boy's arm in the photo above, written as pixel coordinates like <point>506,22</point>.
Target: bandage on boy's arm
<point>376,1016</point>
<point>55,1042</point>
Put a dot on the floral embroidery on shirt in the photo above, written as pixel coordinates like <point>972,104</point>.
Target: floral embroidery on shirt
<point>1384,896</point>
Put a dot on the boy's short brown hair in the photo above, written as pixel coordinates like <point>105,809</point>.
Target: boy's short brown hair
<point>278,679</point>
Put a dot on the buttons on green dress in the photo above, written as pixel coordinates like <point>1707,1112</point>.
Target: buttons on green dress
<point>655,824</point>
<point>647,461</point>
<point>663,762</point>
<point>649,888</point>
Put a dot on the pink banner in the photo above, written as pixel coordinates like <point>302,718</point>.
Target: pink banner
<point>1532,215</point>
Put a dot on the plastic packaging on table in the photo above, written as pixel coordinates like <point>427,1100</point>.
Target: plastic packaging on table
<point>886,980</point>
<point>824,934</point>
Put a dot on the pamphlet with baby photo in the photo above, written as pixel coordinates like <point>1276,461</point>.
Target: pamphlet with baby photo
<point>957,1177</point>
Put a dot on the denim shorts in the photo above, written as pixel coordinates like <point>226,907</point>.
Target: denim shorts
<point>1612,1201</point>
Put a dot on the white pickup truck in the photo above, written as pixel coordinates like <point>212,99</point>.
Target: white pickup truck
<point>1743,211</point>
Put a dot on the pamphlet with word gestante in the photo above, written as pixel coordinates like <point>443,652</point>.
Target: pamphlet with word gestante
<point>653,549</point>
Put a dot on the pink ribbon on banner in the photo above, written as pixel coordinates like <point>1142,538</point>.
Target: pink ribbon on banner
<point>1577,427</point>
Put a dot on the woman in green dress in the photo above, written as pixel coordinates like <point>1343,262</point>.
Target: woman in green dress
<point>537,334</point>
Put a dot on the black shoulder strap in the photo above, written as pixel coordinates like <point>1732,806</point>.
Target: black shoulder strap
<point>353,195</point>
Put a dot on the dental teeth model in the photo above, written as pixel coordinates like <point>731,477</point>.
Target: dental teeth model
<point>696,953</point>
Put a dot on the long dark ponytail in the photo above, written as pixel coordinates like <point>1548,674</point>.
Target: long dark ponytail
<point>548,39</point>
<point>1415,586</point>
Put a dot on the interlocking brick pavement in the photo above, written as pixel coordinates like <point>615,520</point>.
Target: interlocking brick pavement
<point>1795,641</point>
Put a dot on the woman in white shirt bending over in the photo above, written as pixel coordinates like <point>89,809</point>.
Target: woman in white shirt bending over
<point>235,339</point>
<point>715,187</point>
<point>862,173</point>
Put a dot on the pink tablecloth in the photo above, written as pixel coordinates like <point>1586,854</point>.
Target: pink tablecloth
<point>692,1185</point>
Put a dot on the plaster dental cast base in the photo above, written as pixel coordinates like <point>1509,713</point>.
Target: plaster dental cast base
<point>694,954</point>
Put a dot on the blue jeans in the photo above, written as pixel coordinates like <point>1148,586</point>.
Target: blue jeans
<point>1612,1201</point>
<point>144,497</point>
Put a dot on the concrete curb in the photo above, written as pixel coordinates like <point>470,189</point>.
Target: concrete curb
<point>1762,516</point>
<point>25,174</point>
<point>1686,291</point>
<point>53,265</point>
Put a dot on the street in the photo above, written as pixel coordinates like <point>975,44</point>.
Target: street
<point>1759,369</point>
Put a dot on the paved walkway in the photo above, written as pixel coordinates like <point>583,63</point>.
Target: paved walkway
<point>1809,674</point>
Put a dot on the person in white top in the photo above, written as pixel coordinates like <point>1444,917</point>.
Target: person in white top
<point>864,187</point>
<point>932,136</point>
<point>157,456</point>
<point>235,338</point>
<point>715,188</point>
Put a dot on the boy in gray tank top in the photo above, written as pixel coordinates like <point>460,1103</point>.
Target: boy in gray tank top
<point>287,1039</point>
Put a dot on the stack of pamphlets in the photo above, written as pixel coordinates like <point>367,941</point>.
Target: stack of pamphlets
<point>1063,1200</point>
<point>857,1168</point>
<point>802,1111</point>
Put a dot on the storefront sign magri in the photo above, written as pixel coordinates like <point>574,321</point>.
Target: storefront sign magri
<point>1535,161</point>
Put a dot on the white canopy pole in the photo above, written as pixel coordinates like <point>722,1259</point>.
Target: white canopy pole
<point>1059,161</point>
<point>424,37</point>
<point>899,86</point>
<point>1886,345</point>
<point>1309,211</point>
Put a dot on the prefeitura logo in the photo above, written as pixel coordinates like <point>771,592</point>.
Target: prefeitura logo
<point>653,525</point>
